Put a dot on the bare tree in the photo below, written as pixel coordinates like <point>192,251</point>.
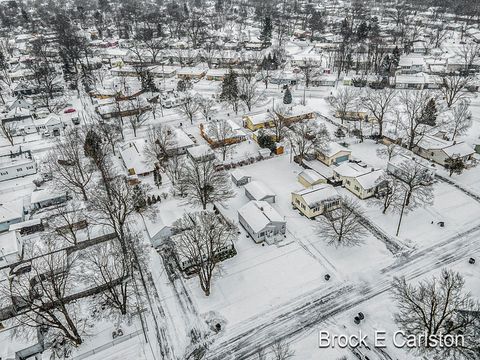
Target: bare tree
<point>174,167</point>
<point>389,151</point>
<point>460,119</point>
<point>203,184</point>
<point>392,193</point>
<point>307,137</point>
<point>8,130</point>
<point>435,308</point>
<point>66,222</point>
<point>189,107</point>
<point>281,350</point>
<point>221,132</point>
<point>454,88</point>
<point>138,118</point>
<point>160,144</point>
<point>40,296</point>
<point>342,226</point>
<point>469,53</point>
<point>109,265</point>
<point>415,185</point>
<point>379,103</point>
<point>202,240</point>
<point>247,92</point>
<point>309,70</point>
<point>412,122</point>
<point>110,132</point>
<point>72,170</point>
<point>343,102</point>
<point>207,107</point>
<point>114,206</point>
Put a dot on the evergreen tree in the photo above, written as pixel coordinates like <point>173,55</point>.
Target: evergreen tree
<point>316,23</point>
<point>230,92</point>
<point>429,113</point>
<point>287,96</point>
<point>92,145</point>
<point>266,141</point>
<point>339,133</point>
<point>266,33</point>
<point>139,198</point>
<point>395,58</point>
<point>455,165</point>
<point>362,32</point>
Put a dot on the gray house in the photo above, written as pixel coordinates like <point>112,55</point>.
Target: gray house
<point>262,222</point>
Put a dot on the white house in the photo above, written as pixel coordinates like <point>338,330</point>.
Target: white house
<point>44,198</point>
<point>257,190</point>
<point>412,63</point>
<point>17,164</point>
<point>10,213</point>
<point>11,248</point>
<point>364,182</point>
<point>51,124</point>
<point>262,222</point>
<point>439,150</point>
<point>201,153</point>
<point>133,157</point>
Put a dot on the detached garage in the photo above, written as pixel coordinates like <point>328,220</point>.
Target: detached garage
<point>334,154</point>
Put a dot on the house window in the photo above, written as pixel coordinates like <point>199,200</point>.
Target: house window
<point>357,188</point>
<point>29,167</point>
<point>262,234</point>
<point>19,169</point>
<point>4,173</point>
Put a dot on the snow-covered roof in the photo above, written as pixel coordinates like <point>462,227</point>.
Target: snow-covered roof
<point>449,147</point>
<point>258,190</point>
<point>11,211</point>
<point>317,194</point>
<point>181,139</point>
<point>200,151</point>
<point>411,60</point>
<point>239,174</point>
<point>133,156</point>
<point>334,148</point>
<point>459,149</point>
<point>259,214</point>
<point>348,169</point>
<point>258,118</point>
<point>370,179</point>
<point>45,194</point>
<point>171,212</point>
<point>8,243</point>
<point>311,176</point>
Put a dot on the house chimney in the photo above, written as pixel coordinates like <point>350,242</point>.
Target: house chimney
<point>373,169</point>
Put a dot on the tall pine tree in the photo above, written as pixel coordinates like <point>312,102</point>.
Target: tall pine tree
<point>287,96</point>
<point>266,34</point>
<point>229,92</point>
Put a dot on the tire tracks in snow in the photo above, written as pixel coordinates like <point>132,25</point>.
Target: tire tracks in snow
<point>318,305</point>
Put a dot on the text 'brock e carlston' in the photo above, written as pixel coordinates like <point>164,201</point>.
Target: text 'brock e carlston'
<point>398,339</point>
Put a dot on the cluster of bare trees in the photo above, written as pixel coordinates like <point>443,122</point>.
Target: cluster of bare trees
<point>437,308</point>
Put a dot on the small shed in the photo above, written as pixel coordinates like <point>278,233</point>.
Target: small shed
<point>239,177</point>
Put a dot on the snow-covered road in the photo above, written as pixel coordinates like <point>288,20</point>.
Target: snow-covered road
<point>311,308</point>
